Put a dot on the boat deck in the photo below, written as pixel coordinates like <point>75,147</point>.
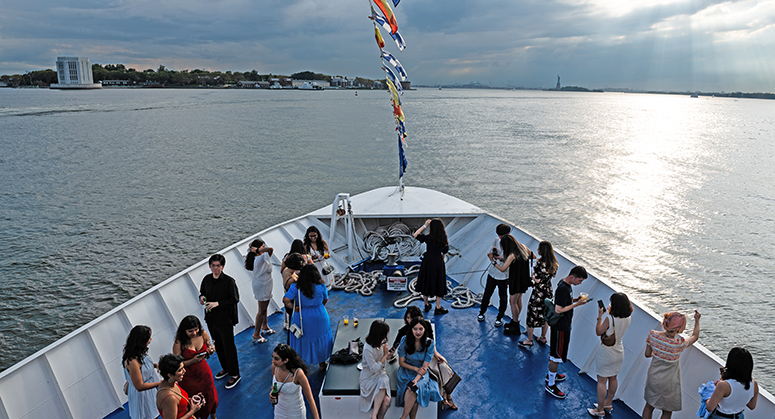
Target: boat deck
<point>500,378</point>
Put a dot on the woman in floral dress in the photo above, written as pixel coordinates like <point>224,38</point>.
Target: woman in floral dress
<point>545,270</point>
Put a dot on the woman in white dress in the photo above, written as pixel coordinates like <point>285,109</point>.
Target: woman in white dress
<point>614,321</point>
<point>317,248</point>
<point>289,380</point>
<point>259,261</point>
<point>374,381</point>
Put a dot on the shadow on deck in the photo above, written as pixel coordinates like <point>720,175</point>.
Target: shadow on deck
<point>500,378</point>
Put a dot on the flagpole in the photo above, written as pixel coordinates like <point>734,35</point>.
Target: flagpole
<point>397,112</point>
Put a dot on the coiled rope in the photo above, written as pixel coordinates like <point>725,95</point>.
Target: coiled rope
<point>395,238</point>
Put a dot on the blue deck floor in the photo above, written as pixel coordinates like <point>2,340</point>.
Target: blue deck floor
<point>500,378</point>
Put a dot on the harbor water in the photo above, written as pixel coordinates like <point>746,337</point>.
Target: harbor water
<point>107,193</point>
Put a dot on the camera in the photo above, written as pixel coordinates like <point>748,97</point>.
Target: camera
<point>494,252</point>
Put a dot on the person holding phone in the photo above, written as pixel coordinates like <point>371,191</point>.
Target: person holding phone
<point>194,345</point>
<point>613,321</point>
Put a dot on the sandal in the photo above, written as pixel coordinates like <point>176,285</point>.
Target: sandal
<point>259,339</point>
<point>450,403</point>
<point>541,340</point>
<point>526,343</point>
<point>268,331</point>
<point>594,412</point>
<point>608,409</point>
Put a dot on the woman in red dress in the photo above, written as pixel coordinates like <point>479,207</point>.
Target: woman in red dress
<point>194,345</point>
<point>171,400</point>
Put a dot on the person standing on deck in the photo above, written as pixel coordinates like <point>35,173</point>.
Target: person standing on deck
<point>496,278</point>
<point>564,303</point>
<point>219,294</point>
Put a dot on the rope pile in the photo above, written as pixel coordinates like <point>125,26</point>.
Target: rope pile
<point>363,283</point>
<point>395,238</point>
<point>462,296</point>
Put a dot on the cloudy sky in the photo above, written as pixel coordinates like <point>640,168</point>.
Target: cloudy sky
<point>707,45</point>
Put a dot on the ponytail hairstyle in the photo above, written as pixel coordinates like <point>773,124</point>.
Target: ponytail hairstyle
<point>674,322</point>
<point>546,252</point>
<point>250,259</point>
<point>295,362</point>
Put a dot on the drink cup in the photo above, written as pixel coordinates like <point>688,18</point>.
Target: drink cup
<point>346,320</point>
<point>355,321</point>
<point>583,295</point>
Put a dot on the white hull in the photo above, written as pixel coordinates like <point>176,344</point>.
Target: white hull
<point>80,375</point>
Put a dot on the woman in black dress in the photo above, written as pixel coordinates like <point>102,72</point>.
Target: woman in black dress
<point>432,279</point>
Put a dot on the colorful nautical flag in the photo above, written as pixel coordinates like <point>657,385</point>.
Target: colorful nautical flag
<point>377,16</point>
<point>395,63</point>
<point>401,158</point>
<point>394,92</point>
<point>378,37</point>
<point>395,3</point>
<point>392,77</point>
<point>387,12</point>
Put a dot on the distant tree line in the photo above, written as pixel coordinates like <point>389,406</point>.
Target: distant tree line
<point>164,76</point>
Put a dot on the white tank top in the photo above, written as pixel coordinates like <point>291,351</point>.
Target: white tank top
<point>737,399</point>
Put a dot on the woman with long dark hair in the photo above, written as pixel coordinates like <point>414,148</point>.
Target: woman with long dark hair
<point>737,389</point>
<point>289,380</point>
<point>374,381</point>
<point>516,257</point>
<point>439,365</point>
<point>193,343</point>
<point>297,246</point>
<point>432,278</point>
<point>259,262</point>
<point>614,321</point>
<point>140,374</point>
<point>317,248</point>
<point>545,270</point>
<point>663,379</point>
<point>172,400</point>
<point>307,298</point>
<point>415,387</point>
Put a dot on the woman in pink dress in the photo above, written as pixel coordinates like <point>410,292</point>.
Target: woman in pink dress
<point>194,345</point>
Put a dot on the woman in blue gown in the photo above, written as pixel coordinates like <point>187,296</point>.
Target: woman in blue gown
<point>414,384</point>
<point>309,295</point>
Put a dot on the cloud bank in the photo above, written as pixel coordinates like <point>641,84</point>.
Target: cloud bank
<point>706,45</point>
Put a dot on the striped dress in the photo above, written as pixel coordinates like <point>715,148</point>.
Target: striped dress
<point>663,380</point>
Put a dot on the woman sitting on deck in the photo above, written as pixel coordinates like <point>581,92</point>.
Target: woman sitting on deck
<point>438,363</point>
<point>415,387</point>
<point>374,381</point>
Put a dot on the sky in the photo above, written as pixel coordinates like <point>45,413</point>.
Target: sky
<point>667,45</point>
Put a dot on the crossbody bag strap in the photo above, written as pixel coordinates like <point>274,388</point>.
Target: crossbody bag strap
<point>301,318</point>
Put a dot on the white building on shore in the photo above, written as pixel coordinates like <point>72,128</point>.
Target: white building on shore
<point>75,73</point>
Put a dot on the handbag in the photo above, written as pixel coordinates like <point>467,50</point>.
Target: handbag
<point>298,331</point>
<point>609,340</point>
<point>444,375</point>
